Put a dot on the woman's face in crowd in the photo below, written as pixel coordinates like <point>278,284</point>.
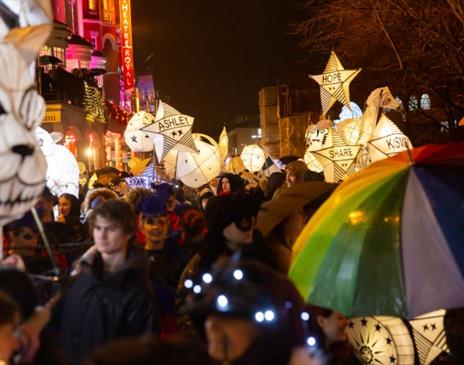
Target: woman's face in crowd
<point>225,185</point>
<point>229,338</point>
<point>64,206</point>
<point>8,341</point>
<point>334,327</point>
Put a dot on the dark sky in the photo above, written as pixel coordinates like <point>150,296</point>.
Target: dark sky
<point>213,56</point>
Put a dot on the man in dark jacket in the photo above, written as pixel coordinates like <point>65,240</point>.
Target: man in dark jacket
<point>110,296</point>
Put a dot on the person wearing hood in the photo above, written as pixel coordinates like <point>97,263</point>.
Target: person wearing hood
<point>230,220</point>
<point>229,183</point>
<point>110,295</point>
<point>247,313</point>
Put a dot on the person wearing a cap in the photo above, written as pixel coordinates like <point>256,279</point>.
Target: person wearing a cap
<point>247,313</point>
<point>295,172</point>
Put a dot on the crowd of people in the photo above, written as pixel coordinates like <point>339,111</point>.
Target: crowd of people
<point>167,275</point>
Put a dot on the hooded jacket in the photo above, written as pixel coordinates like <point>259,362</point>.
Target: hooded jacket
<point>100,306</point>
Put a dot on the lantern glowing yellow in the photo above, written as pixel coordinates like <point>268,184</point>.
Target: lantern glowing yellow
<point>253,157</point>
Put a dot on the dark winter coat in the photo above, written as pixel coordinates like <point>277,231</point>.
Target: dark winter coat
<point>101,306</point>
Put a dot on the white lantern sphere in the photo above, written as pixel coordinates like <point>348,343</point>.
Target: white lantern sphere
<point>197,169</point>
<point>253,157</point>
<point>137,140</point>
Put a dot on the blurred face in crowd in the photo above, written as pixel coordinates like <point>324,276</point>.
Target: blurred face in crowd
<point>121,189</point>
<point>64,206</point>
<point>26,239</point>
<point>225,185</point>
<point>334,327</point>
<point>229,338</point>
<point>156,229</point>
<point>290,178</point>
<point>171,203</point>
<point>8,340</point>
<point>109,236</point>
<point>240,232</point>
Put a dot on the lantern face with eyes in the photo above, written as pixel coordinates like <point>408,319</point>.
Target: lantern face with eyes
<point>316,138</point>
<point>22,164</point>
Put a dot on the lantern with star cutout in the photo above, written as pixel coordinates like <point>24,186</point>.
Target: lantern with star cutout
<point>381,340</point>
<point>136,139</point>
<point>334,83</point>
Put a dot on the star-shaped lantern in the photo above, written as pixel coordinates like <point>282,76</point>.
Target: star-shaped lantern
<point>175,128</point>
<point>335,83</point>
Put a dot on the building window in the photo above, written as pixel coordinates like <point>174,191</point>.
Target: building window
<point>58,52</point>
<point>92,4</point>
<point>108,11</point>
<point>413,103</point>
<point>425,102</point>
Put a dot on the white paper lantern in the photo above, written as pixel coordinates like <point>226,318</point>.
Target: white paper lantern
<point>312,162</point>
<point>137,140</point>
<point>253,157</point>
<point>429,335</point>
<point>387,140</point>
<point>381,340</point>
<point>195,169</point>
<point>22,164</point>
<point>62,169</point>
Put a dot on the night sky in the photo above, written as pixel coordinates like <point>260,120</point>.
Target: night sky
<point>213,56</point>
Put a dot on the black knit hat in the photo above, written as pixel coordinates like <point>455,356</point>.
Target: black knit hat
<point>223,210</point>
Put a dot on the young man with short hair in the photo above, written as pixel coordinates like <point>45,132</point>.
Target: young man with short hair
<point>111,295</point>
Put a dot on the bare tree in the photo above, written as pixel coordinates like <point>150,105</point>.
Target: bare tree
<point>414,46</point>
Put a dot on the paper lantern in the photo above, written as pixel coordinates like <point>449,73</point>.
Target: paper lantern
<point>312,162</point>
<point>235,165</point>
<point>196,169</point>
<point>334,83</point>
<point>253,157</point>
<point>387,140</point>
<point>223,144</point>
<point>62,174</point>
<point>22,164</point>
<point>317,137</point>
<point>136,165</point>
<point>339,159</point>
<point>176,129</point>
<point>381,340</point>
<point>429,336</point>
<point>137,140</point>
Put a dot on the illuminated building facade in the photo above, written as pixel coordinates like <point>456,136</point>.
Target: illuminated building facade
<point>86,86</point>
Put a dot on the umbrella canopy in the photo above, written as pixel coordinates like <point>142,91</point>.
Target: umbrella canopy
<point>292,199</point>
<point>389,239</point>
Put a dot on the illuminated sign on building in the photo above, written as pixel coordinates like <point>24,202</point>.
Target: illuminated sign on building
<point>127,56</point>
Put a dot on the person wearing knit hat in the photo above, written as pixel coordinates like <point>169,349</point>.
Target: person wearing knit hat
<point>230,221</point>
<point>295,172</point>
<point>248,314</point>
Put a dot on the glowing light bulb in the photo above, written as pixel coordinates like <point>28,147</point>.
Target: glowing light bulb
<point>238,274</point>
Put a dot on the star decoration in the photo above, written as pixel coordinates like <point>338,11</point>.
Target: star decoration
<point>392,359</point>
<point>176,129</point>
<point>426,327</point>
<point>378,327</point>
<point>134,139</point>
<point>351,324</point>
<point>334,83</point>
<point>389,340</point>
<point>364,322</point>
<point>434,326</point>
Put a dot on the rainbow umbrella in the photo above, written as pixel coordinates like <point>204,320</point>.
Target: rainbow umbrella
<point>390,240</point>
